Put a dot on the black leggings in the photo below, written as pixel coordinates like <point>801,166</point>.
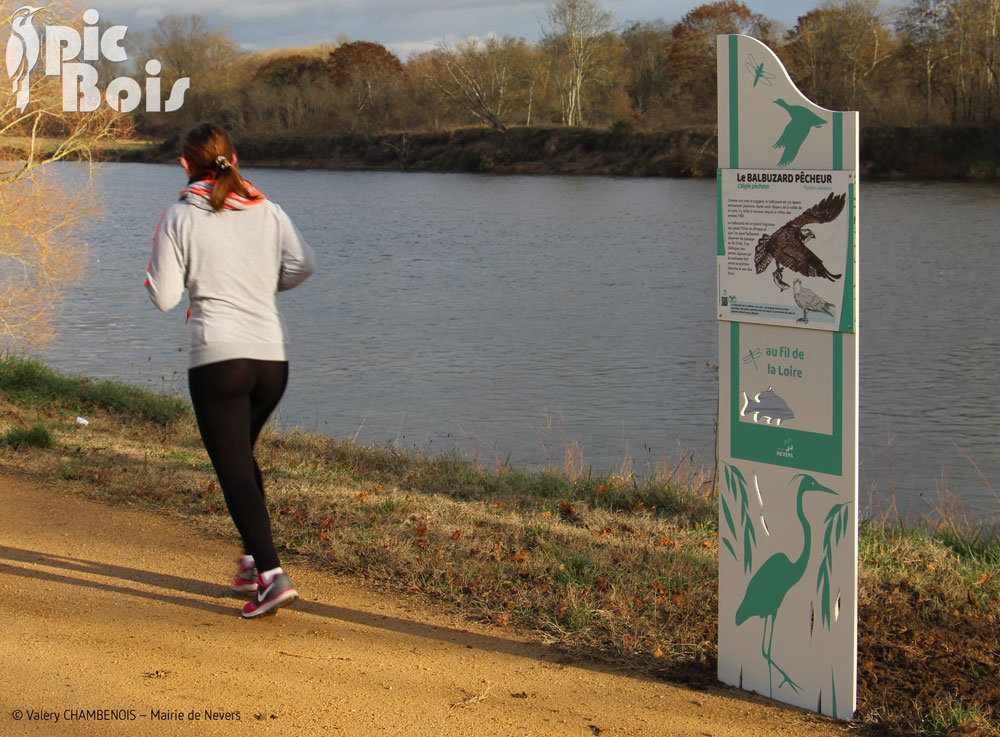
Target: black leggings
<point>232,401</point>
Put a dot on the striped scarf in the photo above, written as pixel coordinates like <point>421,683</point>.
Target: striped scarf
<point>199,192</point>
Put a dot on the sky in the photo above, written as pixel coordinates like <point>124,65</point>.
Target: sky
<point>403,26</point>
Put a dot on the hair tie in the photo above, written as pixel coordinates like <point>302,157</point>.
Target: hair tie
<point>222,162</point>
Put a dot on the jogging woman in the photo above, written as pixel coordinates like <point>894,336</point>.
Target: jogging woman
<point>233,249</point>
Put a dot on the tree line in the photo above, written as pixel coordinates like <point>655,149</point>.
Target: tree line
<point>925,62</point>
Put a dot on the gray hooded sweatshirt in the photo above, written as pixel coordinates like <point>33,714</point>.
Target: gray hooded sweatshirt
<point>233,263</point>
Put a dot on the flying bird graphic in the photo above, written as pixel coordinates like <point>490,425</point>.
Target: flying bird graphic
<point>22,52</point>
<point>809,301</point>
<point>787,245</point>
<point>803,120</point>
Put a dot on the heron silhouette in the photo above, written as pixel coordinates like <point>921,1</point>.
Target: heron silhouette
<point>22,51</point>
<point>775,578</point>
<point>802,121</point>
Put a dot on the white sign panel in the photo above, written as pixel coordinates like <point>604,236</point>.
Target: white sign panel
<point>787,244</point>
<point>787,277</point>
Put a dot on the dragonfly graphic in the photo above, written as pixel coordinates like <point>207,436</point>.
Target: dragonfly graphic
<point>752,355</point>
<point>757,70</point>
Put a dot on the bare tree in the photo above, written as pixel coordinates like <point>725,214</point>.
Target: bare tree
<point>40,210</point>
<point>483,77</point>
<point>837,49</point>
<point>922,25</point>
<point>575,32</point>
<point>187,47</point>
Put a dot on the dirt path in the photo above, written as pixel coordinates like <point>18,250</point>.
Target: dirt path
<point>109,612</point>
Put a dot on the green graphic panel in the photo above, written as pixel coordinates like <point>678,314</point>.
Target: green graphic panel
<point>786,447</point>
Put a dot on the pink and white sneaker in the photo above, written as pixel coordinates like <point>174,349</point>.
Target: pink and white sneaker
<point>269,598</point>
<point>245,580</point>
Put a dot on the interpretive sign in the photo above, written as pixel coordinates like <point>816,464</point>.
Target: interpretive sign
<point>787,261</point>
<point>780,231</point>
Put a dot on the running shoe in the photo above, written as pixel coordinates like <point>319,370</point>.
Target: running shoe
<point>269,598</point>
<point>245,579</point>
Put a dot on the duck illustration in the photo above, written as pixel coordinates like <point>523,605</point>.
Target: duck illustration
<point>787,245</point>
<point>809,301</point>
<point>802,121</point>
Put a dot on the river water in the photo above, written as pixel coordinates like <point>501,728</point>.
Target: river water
<point>511,317</point>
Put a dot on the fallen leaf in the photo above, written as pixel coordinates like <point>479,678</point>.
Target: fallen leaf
<point>667,542</point>
<point>547,514</point>
<point>456,534</point>
<point>421,529</point>
<point>520,556</point>
<point>679,599</point>
<point>658,652</point>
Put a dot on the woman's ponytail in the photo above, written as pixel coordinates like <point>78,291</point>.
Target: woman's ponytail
<point>209,152</point>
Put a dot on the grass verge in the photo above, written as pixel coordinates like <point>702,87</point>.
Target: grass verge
<point>602,566</point>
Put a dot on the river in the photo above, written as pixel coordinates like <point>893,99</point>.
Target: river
<point>513,317</point>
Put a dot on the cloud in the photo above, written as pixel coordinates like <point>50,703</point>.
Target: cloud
<point>398,24</point>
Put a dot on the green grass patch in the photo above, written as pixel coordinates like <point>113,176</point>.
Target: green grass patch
<point>956,717</point>
<point>36,436</point>
<point>30,381</point>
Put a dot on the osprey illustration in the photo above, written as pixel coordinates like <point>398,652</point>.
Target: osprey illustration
<point>809,301</point>
<point>787,245</point>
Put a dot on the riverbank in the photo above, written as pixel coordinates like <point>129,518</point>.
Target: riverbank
<point>941,152</point>
<point>597,566</point>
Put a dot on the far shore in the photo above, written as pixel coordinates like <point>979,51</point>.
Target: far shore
<point>957,153</point>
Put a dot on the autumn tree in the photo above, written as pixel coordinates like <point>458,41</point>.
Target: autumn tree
<point>576,33</point>
<point>836,51</point>
<point>972,73</point>
<point>692,52</point>
<point>486,77</point>
<point>286,92</point>
<point>922,26</point>
<point>187,47</point>
<point>41,251</point>
<point>371,77</point>
<point>647,78</point>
